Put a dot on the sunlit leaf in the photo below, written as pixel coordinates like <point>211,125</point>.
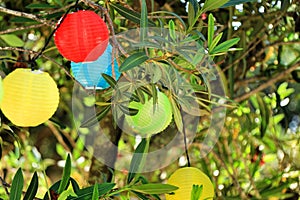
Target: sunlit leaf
<point>66,176</point>
<point>12,40</point>
<point>154,188</point>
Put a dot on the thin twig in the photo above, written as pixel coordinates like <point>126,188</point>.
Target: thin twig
<point>270,82</point>
<point>11,30</point>
<point>26,15</point>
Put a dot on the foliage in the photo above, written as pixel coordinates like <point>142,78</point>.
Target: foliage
<point>255,50</point>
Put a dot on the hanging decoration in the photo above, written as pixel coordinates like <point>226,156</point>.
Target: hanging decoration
<point>30,98</point>
<point>79,34</point>
<point>1,91</point>
<point>89,73</point>
<point>185,178</point>
<point>151,118</point>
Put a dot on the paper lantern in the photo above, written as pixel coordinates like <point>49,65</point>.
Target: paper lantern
<point>79,34</point>
<point>1,91</point>
<point>30,97</point>
<point>149,121</point>
<point>89,73</point>
<point>185,178</point>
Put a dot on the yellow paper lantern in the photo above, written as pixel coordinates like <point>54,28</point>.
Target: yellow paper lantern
<point>185,178</point>
<point>1,91</point>
<point>30,97</point>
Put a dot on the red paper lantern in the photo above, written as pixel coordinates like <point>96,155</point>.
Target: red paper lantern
<point>81,33</point>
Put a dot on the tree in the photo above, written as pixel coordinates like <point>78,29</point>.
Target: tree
<point>228,72</point>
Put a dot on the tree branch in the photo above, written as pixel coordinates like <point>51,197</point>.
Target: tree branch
<point>277,78</point>
<point>26,15</point>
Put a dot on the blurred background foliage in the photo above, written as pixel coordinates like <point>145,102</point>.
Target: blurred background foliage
<point>257,155</point>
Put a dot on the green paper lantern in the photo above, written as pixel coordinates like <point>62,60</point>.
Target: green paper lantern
<point>151,118</point>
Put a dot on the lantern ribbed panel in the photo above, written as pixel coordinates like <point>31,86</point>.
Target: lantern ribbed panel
<point>185,178</point>
<point>149,121</point>
<point>1,91</point>
<point>81,33</point>
<point>89,73</point>
<point>30,98</point>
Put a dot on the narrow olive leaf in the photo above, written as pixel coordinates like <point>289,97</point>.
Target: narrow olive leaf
<point>172,31</point>
<point>133,61</point>
<point>32,188</point>
<point>140,95</point>
<point>75,185</point>
<point>1,146</point>
<point>213,4</point>
<point>87,193</point>
<point>236,2</point>
<point>193,10</point>
<point>128,111</point>
<point>177,115</point>
<point>137,159</point>
<point>95,193</point>
<point>154,96</point>
<point>211,30</point>
<point>110,80</point>
<point>17,186</point>
<point>129,14</point>
<point>224,46</point>
<point>95,119</point>
<point>39,6</point>
<point>215,42</point>
<point>154,188</point>
<point>65,194</point>
<point>140,195</point>
<point>174,14</point>
<point>265,115</point>
<point>12,40</point>
<point>132,96</point>
<point>66,176</point>
<point>144,21</point>
<point>196,192</point>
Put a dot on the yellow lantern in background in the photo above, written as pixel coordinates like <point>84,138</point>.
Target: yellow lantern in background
<point>184,179</point>
<point>1,91</point>
<point>30,97</point>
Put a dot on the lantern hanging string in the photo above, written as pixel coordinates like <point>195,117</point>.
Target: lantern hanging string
<point>185,145</point>
<point>52,33</point>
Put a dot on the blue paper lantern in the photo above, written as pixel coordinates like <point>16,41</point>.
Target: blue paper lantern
<point>89,73</point>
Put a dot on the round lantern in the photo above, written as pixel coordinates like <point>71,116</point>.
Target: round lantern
<point>30,98</point>
<point>1,90</point>
<point>89,73</point>
<point>150,120</point>
<point>79,34</point>
<point>184,179</point>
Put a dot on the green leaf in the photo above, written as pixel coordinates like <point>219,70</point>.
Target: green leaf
<point>133,61</point>
<point>65,194</point>
<point>87,193</point>
<point>177,115</point>
<point>213,4</point>
<point>236,2</point>
<point>32,188</point>
<point>110,80</point>
<point>17,186</point>
<point>224,46</point>
<point>196,192</point>
<point>265,115</point>
<point>12,40</point>
<point>193,10</point>
<point>21,20</point>
<point>211,30</point>
<point>172,30</point>
<point>95,119</point>
<point>66,176</point>
<point>128,111</point>
<point>215,42</point>
<point>39,6</point>
<point>143,21</point>
<point>138,159</point>
<point>154,188</point>
<point>75,185</point>
<point>129,14</point>
<point>95,193</point>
